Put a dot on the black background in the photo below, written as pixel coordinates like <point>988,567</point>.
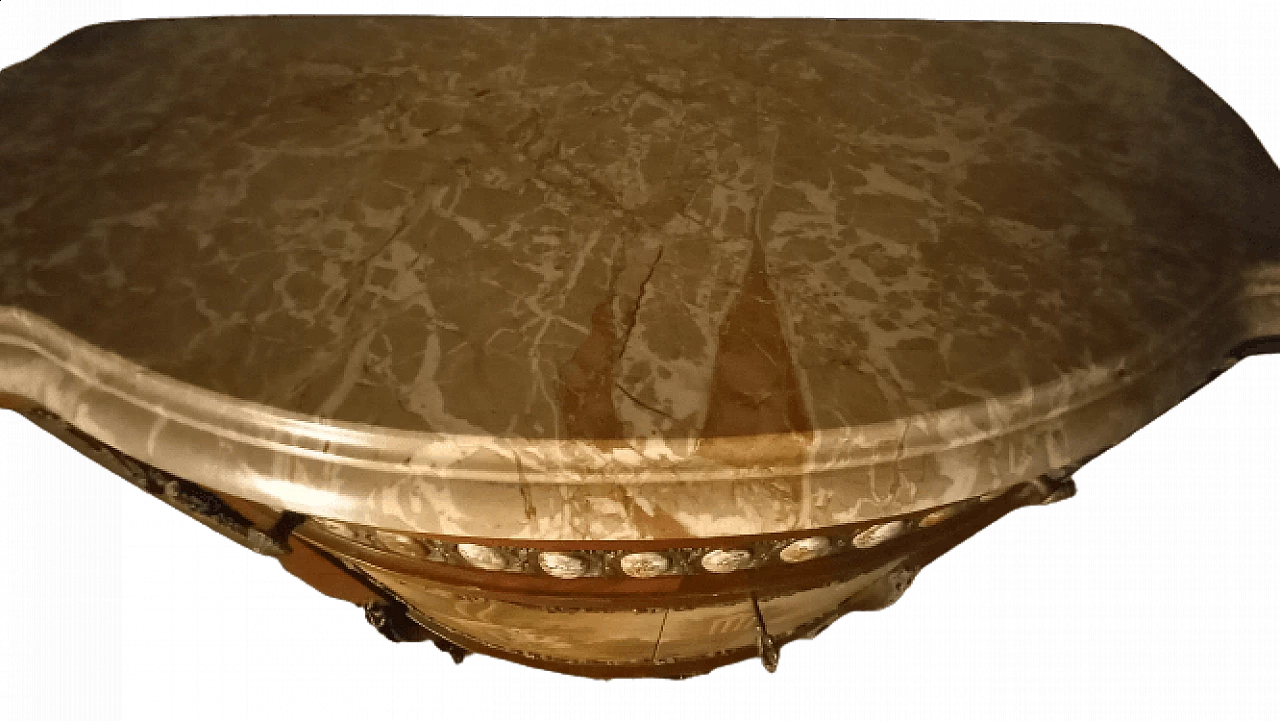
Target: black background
<point>1150,584</point>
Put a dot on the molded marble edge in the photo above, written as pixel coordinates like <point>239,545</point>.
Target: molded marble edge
<point>568,489</point>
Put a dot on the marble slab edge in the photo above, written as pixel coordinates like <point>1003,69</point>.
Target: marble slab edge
<point>570,489</point>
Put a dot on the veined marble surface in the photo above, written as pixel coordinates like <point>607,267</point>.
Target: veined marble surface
<point>620,279</point>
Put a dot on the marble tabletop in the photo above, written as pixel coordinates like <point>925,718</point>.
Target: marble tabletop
<point>620,279</point>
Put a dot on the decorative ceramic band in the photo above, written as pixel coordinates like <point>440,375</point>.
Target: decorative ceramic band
<point>683,561</point>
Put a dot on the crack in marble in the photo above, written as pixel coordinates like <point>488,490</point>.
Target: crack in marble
<point>629,319</point>
<point>641,403</point>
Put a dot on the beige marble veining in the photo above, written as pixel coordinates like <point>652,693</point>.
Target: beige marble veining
<point>620,279</point>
